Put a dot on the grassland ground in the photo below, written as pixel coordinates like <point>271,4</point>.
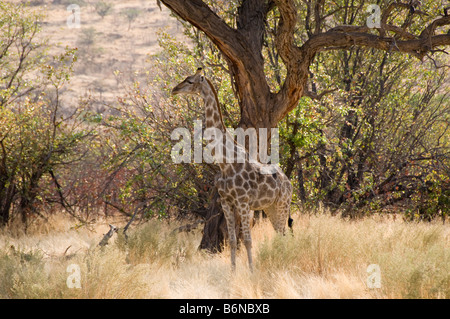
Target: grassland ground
<point>325,257</point>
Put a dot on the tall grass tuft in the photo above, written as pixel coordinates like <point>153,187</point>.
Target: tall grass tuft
<point>155,243</point>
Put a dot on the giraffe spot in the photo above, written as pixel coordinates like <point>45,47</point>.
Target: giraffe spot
<point>229,170</point>
<point>271,182</point>
<point>261,178</point>
<point>238,180</point>
<point>216,117</point>
<point>246,185</point>
<point>209,112</point>
<point>263,190</point>
<point>245,175</point>
<point>252,175</point>
<point>229,198</point>
<point>209,123</point>
<point>240,191</point>
<point>270,193</point>
<point>265,202</point>
<point>238,167</point>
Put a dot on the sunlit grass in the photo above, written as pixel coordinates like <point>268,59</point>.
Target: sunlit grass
<point>325,257</point>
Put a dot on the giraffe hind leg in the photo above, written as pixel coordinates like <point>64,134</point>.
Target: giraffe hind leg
<point>278,216</point>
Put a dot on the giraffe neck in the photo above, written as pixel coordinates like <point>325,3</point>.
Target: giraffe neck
<point>213,115</point>
<point>214,119</point>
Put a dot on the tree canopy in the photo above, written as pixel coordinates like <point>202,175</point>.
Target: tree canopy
<point>299,31</point>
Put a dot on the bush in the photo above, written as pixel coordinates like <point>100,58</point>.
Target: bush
<point>103,8</point>
<point>37,136</point>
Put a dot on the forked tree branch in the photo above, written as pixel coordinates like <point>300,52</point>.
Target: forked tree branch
<point>242,46</point>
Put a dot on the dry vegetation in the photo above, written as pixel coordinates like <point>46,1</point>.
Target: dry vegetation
<point>327,257</point>
<point>105,45</point>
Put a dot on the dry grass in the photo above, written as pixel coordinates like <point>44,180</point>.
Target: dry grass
<point>326,257</point>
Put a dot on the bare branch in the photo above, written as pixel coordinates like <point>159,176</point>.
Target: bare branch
<point>399,31</point>
<point>397,5</point>
<point>112,229</point>
<point>285,31</point>
<point>197,13</point>
<point>439,22</point>
<point>417,47</point>
<point>297,73</point>
<point>316,96</point>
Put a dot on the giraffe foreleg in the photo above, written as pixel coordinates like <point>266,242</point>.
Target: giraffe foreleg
<point>246,219</point>
<point>229,217</point>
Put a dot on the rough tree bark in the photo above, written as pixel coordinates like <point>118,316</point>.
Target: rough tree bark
<point>242,49</point>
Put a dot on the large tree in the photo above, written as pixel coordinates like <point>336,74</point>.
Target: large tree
<point>299,30</point>
<point>243,44</point>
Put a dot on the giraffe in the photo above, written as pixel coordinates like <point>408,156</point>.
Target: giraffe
<point>243,186</point>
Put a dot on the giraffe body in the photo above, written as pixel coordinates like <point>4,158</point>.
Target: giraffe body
<point>243,186</point>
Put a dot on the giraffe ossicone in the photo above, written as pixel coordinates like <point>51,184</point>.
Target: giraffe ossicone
<point>243,186</point>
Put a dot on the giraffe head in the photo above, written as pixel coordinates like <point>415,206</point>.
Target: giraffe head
<point>191,85</point>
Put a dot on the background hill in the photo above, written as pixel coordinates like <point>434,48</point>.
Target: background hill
<point>121,40</point>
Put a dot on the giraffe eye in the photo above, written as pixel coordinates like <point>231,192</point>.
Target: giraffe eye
<point>190,82</point>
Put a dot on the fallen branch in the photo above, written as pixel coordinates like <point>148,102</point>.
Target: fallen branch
<point>188,227</point>
<point>113,229</point>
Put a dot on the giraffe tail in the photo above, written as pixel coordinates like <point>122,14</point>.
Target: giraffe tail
<point>290,222</point>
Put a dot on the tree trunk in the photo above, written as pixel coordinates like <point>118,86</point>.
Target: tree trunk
<point>7,192</point>
<point>29,193</point>
<point>6,200</point>
<point>301,185</point>
<point>214,232</point>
